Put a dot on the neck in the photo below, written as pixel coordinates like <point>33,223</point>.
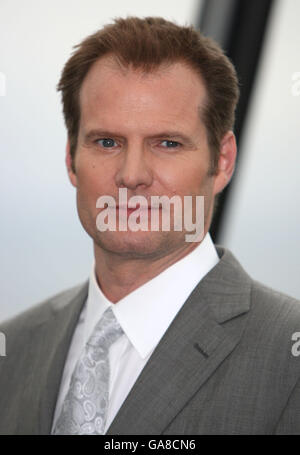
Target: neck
<point>119,275</point>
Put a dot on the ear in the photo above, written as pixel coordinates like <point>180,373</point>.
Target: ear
<point>70,165</point>
<point>226,163</point>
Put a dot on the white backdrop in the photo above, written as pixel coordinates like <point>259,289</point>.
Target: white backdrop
<point>263,220</point>
<point>43,246</point>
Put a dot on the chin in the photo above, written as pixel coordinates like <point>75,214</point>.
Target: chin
<point>137,244</point>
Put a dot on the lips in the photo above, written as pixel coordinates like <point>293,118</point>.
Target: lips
<point>122,207</point>
<point>125,207</point>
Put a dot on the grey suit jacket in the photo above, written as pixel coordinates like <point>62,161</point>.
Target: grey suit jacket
<point>224,366</point>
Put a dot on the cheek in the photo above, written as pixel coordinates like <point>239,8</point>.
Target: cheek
<point>185,180</point>
<point>93,179</point>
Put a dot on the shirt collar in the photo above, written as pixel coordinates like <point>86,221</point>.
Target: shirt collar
<point>146,313</point>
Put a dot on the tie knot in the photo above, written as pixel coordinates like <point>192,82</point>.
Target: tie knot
<point>106,331</point>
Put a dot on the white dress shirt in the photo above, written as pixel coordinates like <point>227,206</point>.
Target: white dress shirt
<point>144,315</point>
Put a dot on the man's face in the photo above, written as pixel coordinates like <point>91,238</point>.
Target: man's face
<point>142,132</point>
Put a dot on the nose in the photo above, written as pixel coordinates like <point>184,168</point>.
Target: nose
<point>134,170</point>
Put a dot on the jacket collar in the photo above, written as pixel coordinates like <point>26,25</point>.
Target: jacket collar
<point>60,329</point>
<point>203,333</point>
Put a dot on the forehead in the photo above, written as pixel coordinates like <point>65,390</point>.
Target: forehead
<point>173,92</point>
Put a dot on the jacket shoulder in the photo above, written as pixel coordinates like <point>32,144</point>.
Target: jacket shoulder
<point>42,311</point>
<point>278,303</point>
<point>234,279</point>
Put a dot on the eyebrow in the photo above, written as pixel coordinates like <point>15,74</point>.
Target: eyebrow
<point>96,133</point>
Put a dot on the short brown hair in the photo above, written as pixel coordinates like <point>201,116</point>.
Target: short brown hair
<point>146,44</point>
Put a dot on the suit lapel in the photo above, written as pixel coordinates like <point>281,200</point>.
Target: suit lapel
<point>53,355</point>
<point>202,335</point>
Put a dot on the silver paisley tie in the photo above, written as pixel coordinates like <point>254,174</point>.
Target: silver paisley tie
<point>85,407</point>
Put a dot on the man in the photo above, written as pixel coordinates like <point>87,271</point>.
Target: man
<point>168,336</point>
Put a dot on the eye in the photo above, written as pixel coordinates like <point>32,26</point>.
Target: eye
<point>107,142</point>
<point>170,144</point>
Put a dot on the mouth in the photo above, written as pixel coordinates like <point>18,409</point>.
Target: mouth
<point>125,211</point>
<point>130,209</point>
